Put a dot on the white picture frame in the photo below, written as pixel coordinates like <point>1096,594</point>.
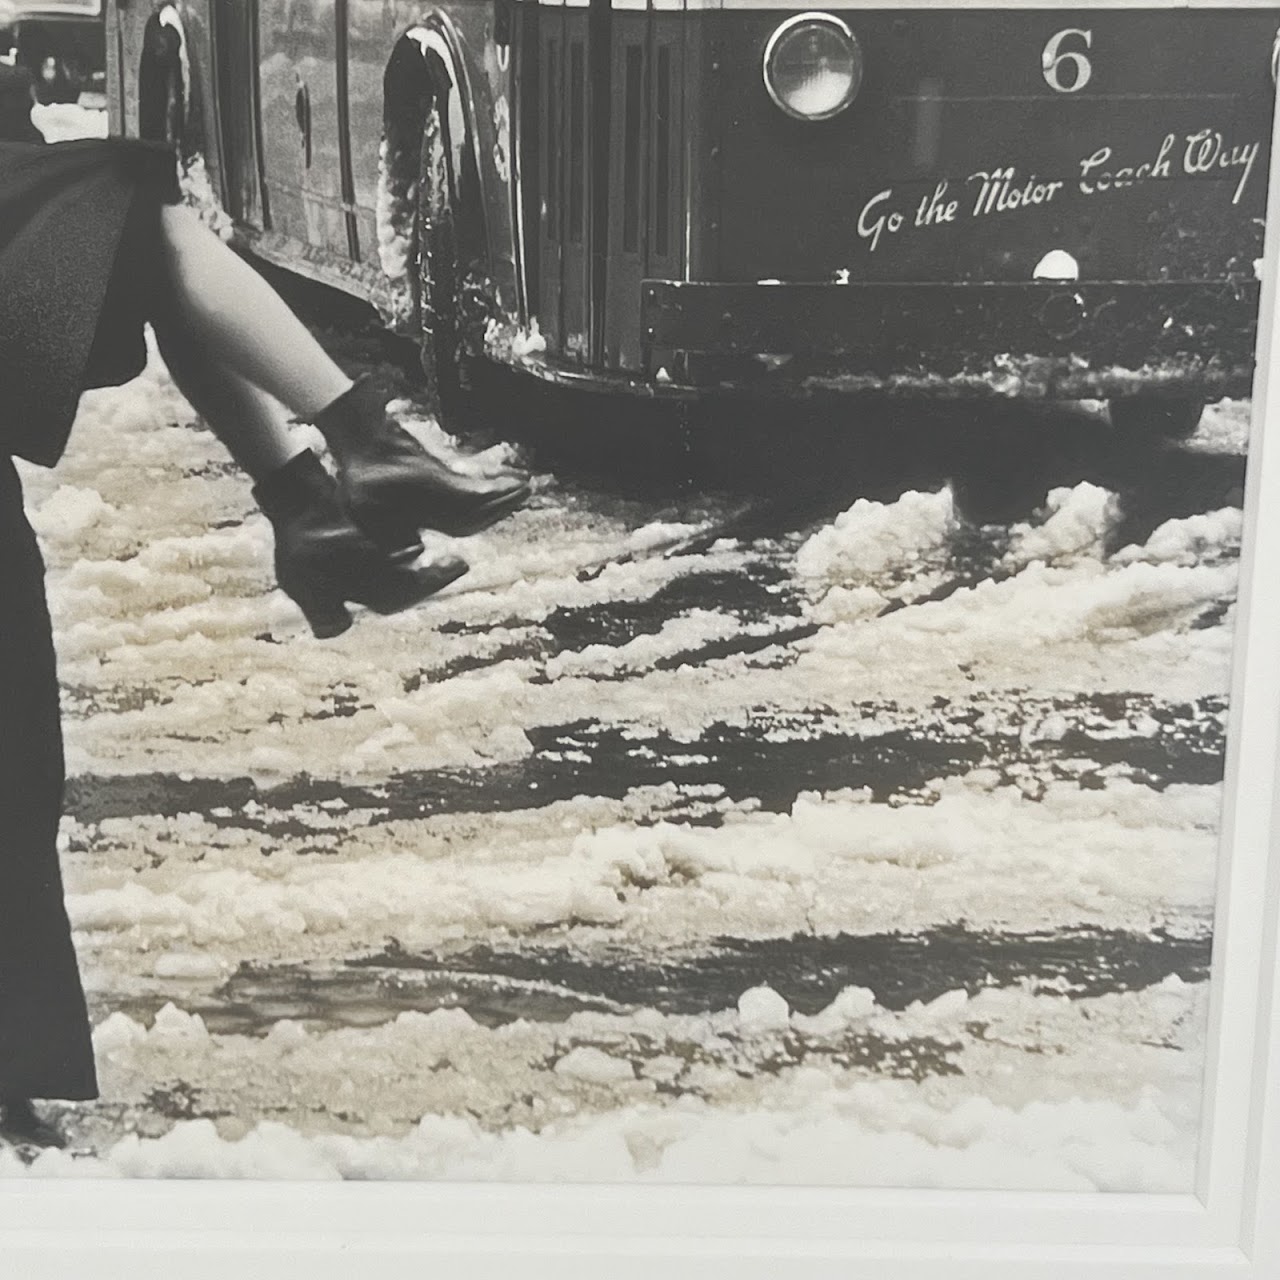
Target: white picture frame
<point>1229,1227</point>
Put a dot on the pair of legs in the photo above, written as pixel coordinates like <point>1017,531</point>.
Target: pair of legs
<point>249,367</point>
<point>246,363</point>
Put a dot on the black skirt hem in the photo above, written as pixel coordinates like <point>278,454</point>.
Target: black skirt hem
<point>80,263</point>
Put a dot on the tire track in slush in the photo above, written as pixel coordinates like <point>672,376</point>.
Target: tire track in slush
<point>770,758</point>
<point>549,984</point>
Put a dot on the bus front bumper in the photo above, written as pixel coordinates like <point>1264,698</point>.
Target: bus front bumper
<point>1076,340</point>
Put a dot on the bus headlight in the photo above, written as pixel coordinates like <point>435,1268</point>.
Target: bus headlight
<point>813,66</point>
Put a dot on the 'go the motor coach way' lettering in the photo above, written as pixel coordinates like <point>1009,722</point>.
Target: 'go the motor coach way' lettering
<point>1002,190</point>
<point>1202,153</point>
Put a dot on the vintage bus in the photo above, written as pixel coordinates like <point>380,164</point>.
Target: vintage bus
<point>690,198</point>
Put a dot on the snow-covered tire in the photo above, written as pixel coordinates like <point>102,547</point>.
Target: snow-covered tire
<point>1168,417</point>
<point>439,270</point>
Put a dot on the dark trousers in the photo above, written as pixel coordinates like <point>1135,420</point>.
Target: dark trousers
<point>45,1047</point>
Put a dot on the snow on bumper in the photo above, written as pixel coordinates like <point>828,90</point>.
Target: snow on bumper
<point>1038,339</point>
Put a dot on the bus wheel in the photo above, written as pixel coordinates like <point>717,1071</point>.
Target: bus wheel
<point>1166,417</point>
<point>439,274</point>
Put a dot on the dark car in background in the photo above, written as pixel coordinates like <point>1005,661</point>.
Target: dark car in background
<point>60,42</point>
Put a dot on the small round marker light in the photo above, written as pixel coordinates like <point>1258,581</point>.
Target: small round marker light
<point>1057,264</point>
<point>813,66</point>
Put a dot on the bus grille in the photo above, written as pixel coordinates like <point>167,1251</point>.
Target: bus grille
<point>646,178</point>
<point>612,216</point>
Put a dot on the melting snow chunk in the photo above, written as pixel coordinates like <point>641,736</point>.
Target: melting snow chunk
<point>763,1009</point>
<point>594,1066</point>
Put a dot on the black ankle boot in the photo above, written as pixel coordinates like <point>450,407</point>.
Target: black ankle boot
<point>393,487</point>
<point>20,1123</point>
<point>323,560</point>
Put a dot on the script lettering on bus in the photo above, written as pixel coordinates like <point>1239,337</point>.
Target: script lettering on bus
<point>1201,153</point>
<point>987,192</point>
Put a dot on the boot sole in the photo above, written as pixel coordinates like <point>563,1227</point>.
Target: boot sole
<point>330,618</point>
<point>483,517</point>
<point>398,603</point>
<point>480,518</point>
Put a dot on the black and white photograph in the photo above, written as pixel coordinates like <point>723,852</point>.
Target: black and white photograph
<point>620,591</point>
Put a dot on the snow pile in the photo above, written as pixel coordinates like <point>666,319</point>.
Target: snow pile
<point>198,194</point>
<point>762,1011</point>
<point>1224,428</point>
<point>64,121</point>
<point>1199,539</point>
<point>871,539</point>
<point>1123,623</point>
<point>397,209</point>
<point>438,1093</point>
<point>68,514</point>
<point>1074,528</point>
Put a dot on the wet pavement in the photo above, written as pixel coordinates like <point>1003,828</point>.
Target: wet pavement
<point>548,983</point>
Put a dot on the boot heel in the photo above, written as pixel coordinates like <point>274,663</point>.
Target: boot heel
<point>395,536</point>
<point>323,559</point>
<point>326,615</point>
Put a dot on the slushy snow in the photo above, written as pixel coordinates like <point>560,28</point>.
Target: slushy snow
<point>177,657</point>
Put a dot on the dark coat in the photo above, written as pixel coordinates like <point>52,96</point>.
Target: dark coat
<point>78,273</point>
<point>79,266</point>
<point>45,1049</point>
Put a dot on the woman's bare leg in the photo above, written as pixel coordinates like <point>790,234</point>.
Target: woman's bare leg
<point>252,424</point>
<point>220,308</point>
<point>247,362</point>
